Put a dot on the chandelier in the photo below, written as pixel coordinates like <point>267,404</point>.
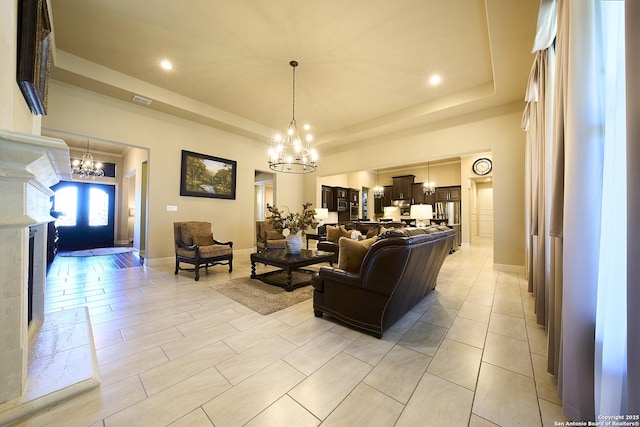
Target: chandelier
<point>378,192</point>
<point>429,187</point>
<point>291,153</point>
<point>86,167</point>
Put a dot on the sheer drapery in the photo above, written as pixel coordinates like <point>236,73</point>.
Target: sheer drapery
<point>611,312</point>
<point>583,155</point>
<point>632,49</point>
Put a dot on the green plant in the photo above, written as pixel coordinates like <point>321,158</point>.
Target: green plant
<point>294,222</point>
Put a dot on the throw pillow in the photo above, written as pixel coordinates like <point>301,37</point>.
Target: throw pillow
<point>194,228</point>
<point>368,242</point>
<point>205,240</point>
<point>333,233</point>
<point>373,231</point>
<point>352,252</point>
<point>344,232</point>
<point>274,235</point>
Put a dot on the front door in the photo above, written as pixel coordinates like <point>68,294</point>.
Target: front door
<point>88,213</point>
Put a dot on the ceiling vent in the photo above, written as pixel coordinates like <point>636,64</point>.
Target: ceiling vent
<point>141,100</point>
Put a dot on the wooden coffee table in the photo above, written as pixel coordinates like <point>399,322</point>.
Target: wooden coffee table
<point>288,263</point>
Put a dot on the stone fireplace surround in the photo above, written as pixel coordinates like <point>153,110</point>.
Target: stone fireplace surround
<point>29,165</point>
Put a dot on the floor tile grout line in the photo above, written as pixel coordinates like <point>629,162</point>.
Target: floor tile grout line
<point>484,345</point>
<point>468,262</point>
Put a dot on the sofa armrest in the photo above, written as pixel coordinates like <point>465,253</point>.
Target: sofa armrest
<point>337,275</point>
<point>327,246</point>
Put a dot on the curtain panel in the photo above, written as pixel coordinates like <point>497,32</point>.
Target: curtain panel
<point>544,254</point>
<point>578,274</point>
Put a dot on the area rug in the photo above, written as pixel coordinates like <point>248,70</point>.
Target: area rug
<point>96,251</point>
<point>261,297</point>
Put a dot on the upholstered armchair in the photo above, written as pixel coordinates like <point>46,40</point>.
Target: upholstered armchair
<point>267,238</point>
<point>195,245</point>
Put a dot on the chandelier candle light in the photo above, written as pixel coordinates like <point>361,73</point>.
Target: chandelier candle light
<point>429,187</point>
<point>291,153</point>
<point>87,167</point>
<point>378,191</point>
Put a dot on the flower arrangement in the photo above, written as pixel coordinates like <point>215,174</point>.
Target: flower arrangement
<point>294,222</point>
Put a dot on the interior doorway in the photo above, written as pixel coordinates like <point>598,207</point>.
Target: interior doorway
<point>130,179</point>
<point>264,183</point>
<point>484,194</point>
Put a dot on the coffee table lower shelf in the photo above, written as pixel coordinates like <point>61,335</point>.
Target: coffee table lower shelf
<point>287,279</point>
<point>291,275</point>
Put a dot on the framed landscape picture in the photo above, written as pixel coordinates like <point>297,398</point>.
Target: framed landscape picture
<point>207,176</point>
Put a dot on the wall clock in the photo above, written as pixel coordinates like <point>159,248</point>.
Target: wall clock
<point>482,166</point>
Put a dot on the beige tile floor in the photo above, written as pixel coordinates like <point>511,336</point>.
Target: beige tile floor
<point>172,351</point>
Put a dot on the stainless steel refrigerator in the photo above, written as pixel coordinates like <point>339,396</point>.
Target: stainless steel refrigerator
<point>451,214</point>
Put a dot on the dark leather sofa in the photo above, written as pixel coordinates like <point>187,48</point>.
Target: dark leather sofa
<point>398,271</point>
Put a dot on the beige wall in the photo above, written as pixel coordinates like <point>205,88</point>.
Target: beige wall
<point>86,113</point>
<point>443,175</point>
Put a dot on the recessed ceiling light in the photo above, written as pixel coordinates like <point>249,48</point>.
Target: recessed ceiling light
<point>435,80</point>
<point>166,64</point>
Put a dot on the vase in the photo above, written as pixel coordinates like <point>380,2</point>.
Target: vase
<point>293,243</point>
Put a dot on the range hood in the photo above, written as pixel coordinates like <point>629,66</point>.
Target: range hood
<point>403,207</point>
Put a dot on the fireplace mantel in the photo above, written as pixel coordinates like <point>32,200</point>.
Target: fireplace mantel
<point>29,165</point>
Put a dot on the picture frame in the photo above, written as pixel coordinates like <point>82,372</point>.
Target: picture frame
<point>34,45</point>
<point>202,175</point>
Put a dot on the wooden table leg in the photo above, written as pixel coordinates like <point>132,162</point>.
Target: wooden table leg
<point>289,280</point>
<point>253,269</point>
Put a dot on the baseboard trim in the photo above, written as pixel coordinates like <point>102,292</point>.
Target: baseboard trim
<point>509,268</point>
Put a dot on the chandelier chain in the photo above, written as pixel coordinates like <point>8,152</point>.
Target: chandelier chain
<point>294,64</point>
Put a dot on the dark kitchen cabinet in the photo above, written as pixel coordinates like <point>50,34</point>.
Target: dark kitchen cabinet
<point>328,199</point>
<point>388,196</point>
<point>340,199</point>
<point>419,197</point>
<point>402,187</point>
<point>354,195</point>
<point>379,204</point>
<point>448,194</point>
<point>340,193</point>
